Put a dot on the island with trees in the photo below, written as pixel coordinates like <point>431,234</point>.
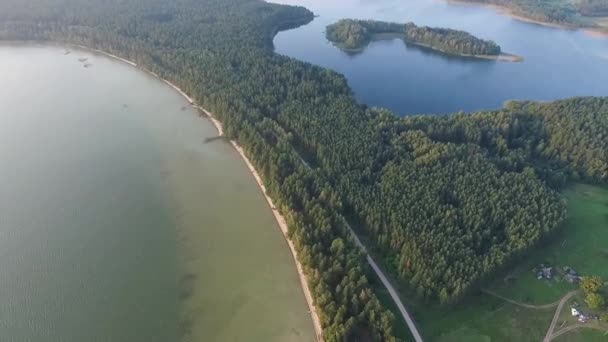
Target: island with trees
<point>354,35</point>
<point>445,201</point>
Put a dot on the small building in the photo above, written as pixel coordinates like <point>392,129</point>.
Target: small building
<point>582,317</point>
<point>547,272</point>
<point>572,278</point>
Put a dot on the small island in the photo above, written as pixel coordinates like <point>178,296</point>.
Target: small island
<point>354,35</point>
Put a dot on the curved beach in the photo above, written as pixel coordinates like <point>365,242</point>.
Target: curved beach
<point>280,220</point>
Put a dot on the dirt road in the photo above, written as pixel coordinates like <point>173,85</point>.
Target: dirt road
<point>560,306</point>
<point>391,290</point>
<point>524,305</point>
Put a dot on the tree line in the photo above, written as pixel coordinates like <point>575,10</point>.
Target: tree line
<point>451,41</point>
<point>352,34</point>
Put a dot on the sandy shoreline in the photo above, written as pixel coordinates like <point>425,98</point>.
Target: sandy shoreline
<point>278,217</point>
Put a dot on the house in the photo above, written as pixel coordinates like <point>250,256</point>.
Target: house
<point>583,318</point>
<point>547,272</point>
<point>543,271</point>
<point>571,278</point>
<point>570,275</point>
<point>570,271</point>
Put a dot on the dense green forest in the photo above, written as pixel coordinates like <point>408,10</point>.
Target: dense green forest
<point>446,201</point>
<point>562,140</point>
<point>352,34</point>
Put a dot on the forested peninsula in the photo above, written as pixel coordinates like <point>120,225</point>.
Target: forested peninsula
<point>445,201</point>
<point>355,35</point>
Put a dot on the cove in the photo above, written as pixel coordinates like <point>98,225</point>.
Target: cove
<point>118,223</point>
<point>407,79</point>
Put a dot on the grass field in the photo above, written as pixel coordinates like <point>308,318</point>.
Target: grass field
<point>586,335</point>
<point>479,318</point>
<point>582,244</point>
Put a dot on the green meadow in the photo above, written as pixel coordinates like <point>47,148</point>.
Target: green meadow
<point>582,243</point>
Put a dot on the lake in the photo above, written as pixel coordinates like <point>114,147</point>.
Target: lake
<point>119,224</point>
<point>407,79</point>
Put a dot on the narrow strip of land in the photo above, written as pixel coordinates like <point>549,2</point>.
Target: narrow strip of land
<point>277,215</point>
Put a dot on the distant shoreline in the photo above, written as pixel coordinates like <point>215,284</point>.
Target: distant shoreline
<point>504,10</point>
<point>281,222</point>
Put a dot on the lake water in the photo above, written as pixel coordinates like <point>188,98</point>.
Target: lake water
<point>407,79</point>
<point>117,223</point>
